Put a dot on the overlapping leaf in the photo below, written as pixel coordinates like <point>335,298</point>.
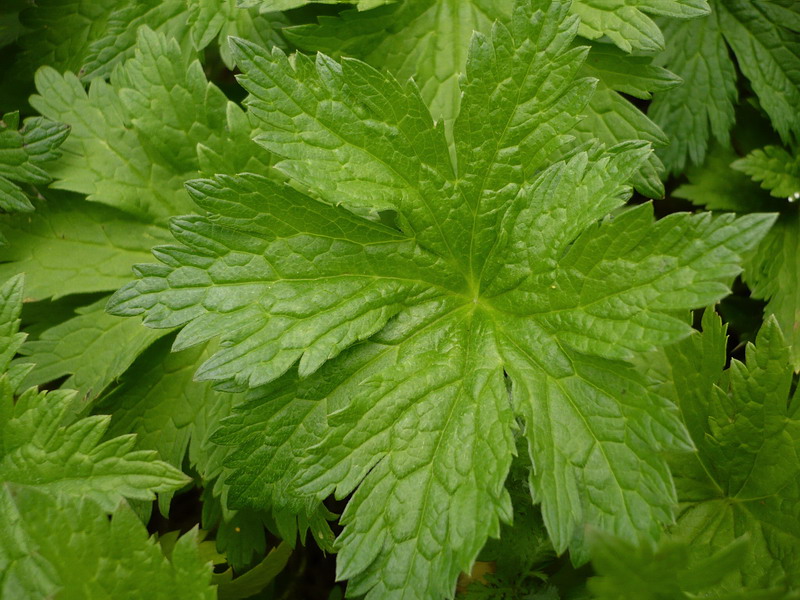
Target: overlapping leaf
<point>765,38</point>
<point>672,571</point>
<point>62,546</point>
<point>134,142</point>
<point>429,41</point>
<point>218,19</point>
<point>90,38</point>
<point>74,247</point>
<point>704,104</point>
<point>45,445</point>
<point>771,271</point>
<point>628,25</point>
<point>775,168</point>
<point>136,139</point>
<point>490,264</point>
<point>93,349</point>
<point>21,151</point>
<point>772,274</point>
<point>273,5</point>
<point>743,481</point>
<point>11,339</point>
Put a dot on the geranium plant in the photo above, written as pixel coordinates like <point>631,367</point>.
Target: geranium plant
<point>404,298</point>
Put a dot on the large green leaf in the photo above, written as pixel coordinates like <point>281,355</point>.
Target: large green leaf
<point>451,274</point>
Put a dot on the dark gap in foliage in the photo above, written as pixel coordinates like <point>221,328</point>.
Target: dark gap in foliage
<point>14,89</point>
<point>224,78</point>
<point>744,315</point>
<point>310,13</point>
<point>570,581</point>
<point>52,385</point>
<point>310,575</point>
<point>184,514</point>
<point>639,103</point>
<point>336,507</point>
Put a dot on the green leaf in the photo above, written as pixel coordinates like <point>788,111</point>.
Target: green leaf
<point>136,139</point>
<point>11,295</point>
<point>627,24</point>
<point>330,307</point>
<point>716,186</point>
<point>764,38</point>
<point>157,399</point>
<point>118,40</point>
<point>275,5</point>
<point>773,273</point>
<point>771,270</point>
<point>671,571</point>
<point>59,33</point>
<point>767,47</point>
<point>744,478</point>
<point>69,246</point>
<point>429,41</point>
<point>91,38</point>
<point>273,431</point>
<point>703,105</point>
<point>93,349</point>
<point>218,19</point>
<point>423,39</point>
<point>613,119</point>
<point>45,445</point>
<point>496,278</point>
<point>257,578</point>
<point>21,151</point>
<point>62,546</point>
<point>776,170</point>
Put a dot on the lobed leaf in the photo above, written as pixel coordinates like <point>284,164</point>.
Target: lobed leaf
<point>627,24</point>
<point>46,446</point>
<point>136,139</point>
<point>703,105</point>
<point>437,302</point>
<point>776,170</point>
<point>743,478</point>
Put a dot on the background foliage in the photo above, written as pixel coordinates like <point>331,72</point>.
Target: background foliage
<point>416,279</point>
